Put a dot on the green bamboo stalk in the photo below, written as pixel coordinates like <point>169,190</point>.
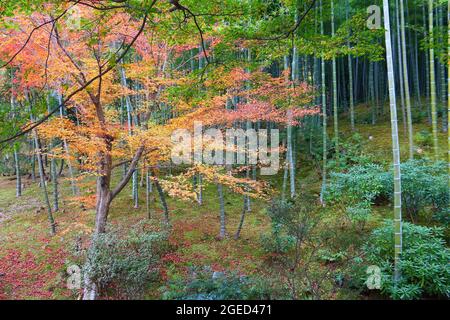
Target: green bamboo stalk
<point>448,91</point>
<point>395,147</point>
<point>335,99</point>
<point>433,81</point>
<point>324,117</point>
<point>406,81</point>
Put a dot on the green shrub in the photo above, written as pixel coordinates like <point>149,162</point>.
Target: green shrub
<point>419,115</point>
<point>205,284</point>
<point>424,185</point>
<point>290,222</point>
<point>362,183</point>
<point>359,213</point>
<point>125,264</point>
<point>424,262</point>
<point>350,154</point>
<point>423,138</point>
<point>278,241</point>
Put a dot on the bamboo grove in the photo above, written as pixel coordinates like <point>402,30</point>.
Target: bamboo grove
<point>93,90</point>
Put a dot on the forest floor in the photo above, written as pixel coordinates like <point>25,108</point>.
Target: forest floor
<point>33,264</point>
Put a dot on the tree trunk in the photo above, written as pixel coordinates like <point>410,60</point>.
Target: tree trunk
<point>43,184</point>
<point>162,197</point>
<point>433,82</point>
<point>335,99</point>
<point>241,223</point>
<point>16,153</point>
<point>400,68</point>
<point>148,190</point>
<point>324,118</point>
<point>223,231</point>
<point>73,184</point>
<point>395,146</point>
<point>17,169</point>
<point>406,82</point>
<point>448,93</point>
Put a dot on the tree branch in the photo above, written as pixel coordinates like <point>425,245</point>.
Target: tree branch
<point>293,29</point>
<point>53,20</point>
<point>87,83</point>
<point>129,173</point>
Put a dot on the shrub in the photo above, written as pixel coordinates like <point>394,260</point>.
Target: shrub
<point>125,264</point>
<point>362,183</point>
<point>424,184</point>
<point>300,258</point>
<point>205,284</point>
<point>278,241</point>
<point>350,154</point>
<point>291,223</point>
<point>424,261</point>
<point>423,138</point>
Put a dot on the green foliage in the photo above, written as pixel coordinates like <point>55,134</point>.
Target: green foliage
<point>277,241</point>
<point>205,284</point>
<point>126,264</point>
<point>424,186</point>
<point>359,212</point>
<point>424,261</point>
<point>291,222</point>
<point>350,154</point>
<point>423,138</point>
<point>361,183</point>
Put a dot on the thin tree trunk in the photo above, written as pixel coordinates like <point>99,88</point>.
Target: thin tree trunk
<point>18,174</point>
<point>16,154</point>
<point>51,220</point>
<point>162,197</point>
<point>335,99</point>
<point>395,146</point>
<point>289,155</point>
<point>241,223</point>
<point>148,190</point>
<point>223,231</point>
<point>400,68</point>
<point>448,91</point>
<point>73,184</point>
<point>427,68</point>
<point>406,82</point>
<point>129,108</point>
<point>53,170</point>
<point>433,82</point>
<point>324,119</point>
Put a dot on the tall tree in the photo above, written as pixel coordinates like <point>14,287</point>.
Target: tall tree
<point>335,95</point>
<point>350,80</point>
<point>16,147</point>
<point>448,89</point>
<point>406,80</point>
<point>324,115</point>
<point>433,80</point>
<point>395,146</point>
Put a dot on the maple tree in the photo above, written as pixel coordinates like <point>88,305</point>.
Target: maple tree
<point>98,88</point>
